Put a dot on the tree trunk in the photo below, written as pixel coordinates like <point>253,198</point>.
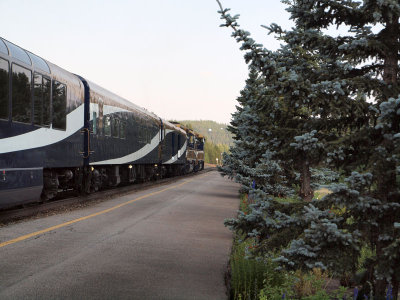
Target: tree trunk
<point>306,192</point>
<point>391,67</point>
<point>390,75</point>
<point>380,289</point>
<point>395,289</point>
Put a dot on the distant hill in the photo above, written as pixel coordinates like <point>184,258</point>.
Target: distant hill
<point>218,139</point>
<point>214,132</point>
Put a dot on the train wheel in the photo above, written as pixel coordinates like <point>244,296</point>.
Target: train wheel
<point>50,185</point>
<point>87,180</point>
<point>95,183</point>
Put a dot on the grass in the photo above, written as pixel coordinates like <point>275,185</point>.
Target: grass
<point>318,194</point>
<point>247,275</point>
<point>322,192</point>
<point>293,199</point>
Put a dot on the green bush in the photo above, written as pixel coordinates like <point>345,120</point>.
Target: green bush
<point>254,277</point>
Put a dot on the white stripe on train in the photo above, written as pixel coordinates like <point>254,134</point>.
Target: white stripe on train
<point>176,157</point>
<point>44,136</point>
<point>155,141</point>
<point>47,136</point>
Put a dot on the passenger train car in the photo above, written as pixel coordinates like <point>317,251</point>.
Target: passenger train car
<point>59,131</point>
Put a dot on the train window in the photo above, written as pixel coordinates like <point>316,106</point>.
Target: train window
<point>100,122</point>
<point>21,94</point>
<point>200,145</point>
<point>46,87</point>
<point>148,136</point>
<point>59,105</point>
<point>41,100</point>
<point>123,130</point>
<point>37,99</point>
<point>107,125</point>
<point>142,133</point>
<point>94,126</point>
<point>3,47</point>
<point>18,53</point>
<point>173,143</point>
<point>115,127</point>
<point>39,62</point>
<point>4,80</point>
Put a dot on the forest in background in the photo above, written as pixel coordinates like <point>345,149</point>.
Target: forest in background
<point>218,138</point>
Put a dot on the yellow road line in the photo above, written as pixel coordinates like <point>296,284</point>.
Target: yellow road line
<point>27,236</point>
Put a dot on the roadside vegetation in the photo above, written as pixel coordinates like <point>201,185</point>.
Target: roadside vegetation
<point>317,152</point>
<point>253,277</point>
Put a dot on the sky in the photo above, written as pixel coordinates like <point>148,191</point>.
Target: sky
<point>169,56</point>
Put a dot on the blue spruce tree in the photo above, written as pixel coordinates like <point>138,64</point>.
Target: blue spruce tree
<point>332,101</point>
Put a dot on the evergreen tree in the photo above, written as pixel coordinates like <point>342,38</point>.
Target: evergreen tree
<point>338,99</point>
<point>296,122</point>
<point>368,58</point>
<point>245,130</point>
<point>298,119</point>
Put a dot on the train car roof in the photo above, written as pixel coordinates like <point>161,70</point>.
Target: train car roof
<point>173,125</point>
<point>187,130</point>
<point>28,58</point>
<point>100,90</point>
<point>64,76</point>
<point>23,55</point>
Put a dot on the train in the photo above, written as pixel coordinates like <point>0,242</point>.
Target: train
<point>60,131</point>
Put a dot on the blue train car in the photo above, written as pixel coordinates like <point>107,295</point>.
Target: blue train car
<point>129,143</point>
<point>59,131</point>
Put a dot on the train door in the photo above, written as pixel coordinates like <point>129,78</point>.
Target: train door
<point>86,125</point>
<point>161,141</point>
<point>179,145</point>
<point>173,145</point>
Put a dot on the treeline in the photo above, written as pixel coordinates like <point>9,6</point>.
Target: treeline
<point>322,111</point>
<point>218,138</point>
<point>212,152</point>
<point>215,133</point>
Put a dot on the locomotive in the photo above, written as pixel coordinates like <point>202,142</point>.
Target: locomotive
<point>60,131</point>
<point>194,150</point>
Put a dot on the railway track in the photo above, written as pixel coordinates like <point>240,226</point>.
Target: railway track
<point>38,210</point>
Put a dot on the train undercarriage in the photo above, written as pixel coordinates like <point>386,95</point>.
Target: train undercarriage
<point>90,179</point>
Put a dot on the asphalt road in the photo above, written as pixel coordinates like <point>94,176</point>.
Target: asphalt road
<point>167,242</point>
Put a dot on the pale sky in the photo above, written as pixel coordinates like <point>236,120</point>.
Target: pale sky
<point>169,56</point>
